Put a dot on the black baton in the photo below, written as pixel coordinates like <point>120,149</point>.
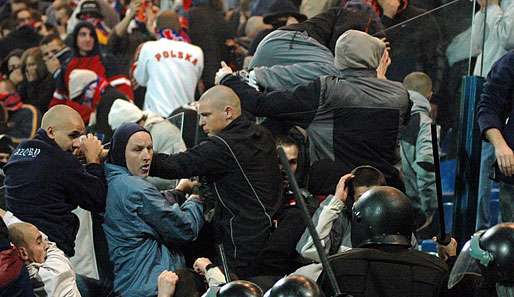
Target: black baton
<point>442,238</point>
<point>310,225</point>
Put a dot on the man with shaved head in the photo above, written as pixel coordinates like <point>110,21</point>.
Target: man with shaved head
<point>51,272</point>
<point>44,180</point>
<point>170,67</point>
<point>239,161</point>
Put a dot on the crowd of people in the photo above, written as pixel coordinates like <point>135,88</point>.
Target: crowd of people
<point>140,146</point>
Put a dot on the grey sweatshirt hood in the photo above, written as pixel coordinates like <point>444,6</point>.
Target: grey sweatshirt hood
<point>358,50</point>
<point>420,102</point>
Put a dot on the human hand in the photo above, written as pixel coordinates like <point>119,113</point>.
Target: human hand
<point>342,187</point>
<point>389,7</point>
<point>80,156</point>
<point>134,7</point>
<point>385,61</point>
<point>16,77</point>
<point>186,185</point>
<point>484,3</point>
<point>291,21</point>
<point>104,154</point>
<point>167,283</point>
<point>52,64</point>
<point>151,16</point>
<point>200,265</point>
<point>229,14</point>
<point>91,147</point>
<point>446,251</point>
<point>222,72</point>
<point>387,43</point>
<point>505,159</point>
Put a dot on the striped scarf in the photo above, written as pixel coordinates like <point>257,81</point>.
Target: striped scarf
<point>169,34</point>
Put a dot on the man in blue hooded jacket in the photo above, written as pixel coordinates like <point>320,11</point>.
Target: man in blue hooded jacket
<point>143,229</point>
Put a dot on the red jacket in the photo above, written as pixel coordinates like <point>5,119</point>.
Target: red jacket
<point>104,65</point>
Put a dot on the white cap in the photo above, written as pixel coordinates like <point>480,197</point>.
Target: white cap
<point>122,111</point>
<point>79,79</point>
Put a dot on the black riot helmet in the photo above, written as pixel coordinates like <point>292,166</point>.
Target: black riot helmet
<point>494,250</point>
<point>382,216</point>
<point>240,288</point>
<point>294,286</point>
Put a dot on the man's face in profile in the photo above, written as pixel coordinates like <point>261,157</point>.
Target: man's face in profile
<point>212,118</point>
<point>67,136</point>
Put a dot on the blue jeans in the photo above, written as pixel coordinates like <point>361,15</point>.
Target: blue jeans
<point>487,160</point>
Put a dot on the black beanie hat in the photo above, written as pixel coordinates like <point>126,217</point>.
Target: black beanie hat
<point>119,142</point>
<point>6,144</point>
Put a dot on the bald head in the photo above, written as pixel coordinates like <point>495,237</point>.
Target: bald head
<point>19,233</point>
<point>30,244</point>
<point>64,125</point>
<point>218,107</point>
<point>167,19</point>
<point>59,115</point>
<point>220,97</point>
<point>419,82</point>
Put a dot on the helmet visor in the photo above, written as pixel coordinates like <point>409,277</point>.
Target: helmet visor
<point>464,266</point>
<point>503,290</point>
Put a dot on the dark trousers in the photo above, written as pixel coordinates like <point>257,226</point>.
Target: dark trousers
<point>279,256</point>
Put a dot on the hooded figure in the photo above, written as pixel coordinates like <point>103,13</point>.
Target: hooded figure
<point>22,119</point>
<point>167,138</point>
<point>352,118</point>
<point>143,229</point>
<point>88,55</point>
<point>92,96</point>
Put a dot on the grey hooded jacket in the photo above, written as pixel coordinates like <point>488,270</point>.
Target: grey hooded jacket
<point>352,118</point>
<point>417,156</point>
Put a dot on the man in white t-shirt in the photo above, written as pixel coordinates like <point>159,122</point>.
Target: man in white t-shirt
<point>170,67</point>
<point>50,271</point>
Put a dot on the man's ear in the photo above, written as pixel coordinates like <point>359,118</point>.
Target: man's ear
<point>50,132</point>
<point>23,253</point>
<point>228,112</point>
